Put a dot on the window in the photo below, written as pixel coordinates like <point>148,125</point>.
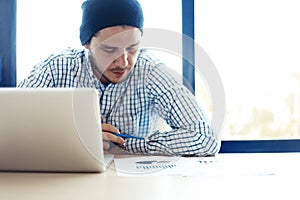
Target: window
<point>45,27</point>
<point>255,46</point>
<point>156,17</point>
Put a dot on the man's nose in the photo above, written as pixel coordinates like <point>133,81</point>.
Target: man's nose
<point>122,61</point>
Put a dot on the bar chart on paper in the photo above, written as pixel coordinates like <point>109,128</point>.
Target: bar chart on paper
<point>154,165</point>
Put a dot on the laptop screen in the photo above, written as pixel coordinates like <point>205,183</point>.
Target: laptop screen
<point>50,129</point>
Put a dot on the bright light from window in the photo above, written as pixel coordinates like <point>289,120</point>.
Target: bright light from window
<point>256,46</point>
<point>162,17</point>
<point>45,27</point>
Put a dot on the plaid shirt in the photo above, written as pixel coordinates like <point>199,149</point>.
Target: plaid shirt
<point>136,106</point>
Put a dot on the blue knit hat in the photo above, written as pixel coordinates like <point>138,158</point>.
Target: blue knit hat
<point>100,14</point>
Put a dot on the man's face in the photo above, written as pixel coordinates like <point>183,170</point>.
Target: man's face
<point>114,52</point>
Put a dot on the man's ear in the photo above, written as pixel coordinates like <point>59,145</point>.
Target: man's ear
<point>87,46</point>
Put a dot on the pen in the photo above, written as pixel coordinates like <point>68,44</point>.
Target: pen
<point>152,162</point>
<point>128,136</point>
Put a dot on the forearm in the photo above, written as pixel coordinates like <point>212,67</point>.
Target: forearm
<point>179,142</point>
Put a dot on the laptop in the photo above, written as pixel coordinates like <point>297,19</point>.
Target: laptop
<point>52,130</point>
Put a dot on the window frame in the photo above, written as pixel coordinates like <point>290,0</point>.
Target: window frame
<point>8,43</point>
<point>230,146</point>
<point>8,74</point>
<point>188,48</point>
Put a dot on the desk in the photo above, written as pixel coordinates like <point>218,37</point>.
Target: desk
<point>90,186</point>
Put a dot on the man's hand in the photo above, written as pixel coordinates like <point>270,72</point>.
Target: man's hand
<point>109,137</point>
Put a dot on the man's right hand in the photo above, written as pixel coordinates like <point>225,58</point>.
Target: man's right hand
<point>108,136</point>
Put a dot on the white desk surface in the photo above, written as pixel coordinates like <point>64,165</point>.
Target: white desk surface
<point>108,185</point>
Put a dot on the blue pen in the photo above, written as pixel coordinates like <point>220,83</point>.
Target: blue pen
<point>128,136</point>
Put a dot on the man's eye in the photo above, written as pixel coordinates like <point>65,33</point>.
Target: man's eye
<point>109,50</point>
<point>132,49</point>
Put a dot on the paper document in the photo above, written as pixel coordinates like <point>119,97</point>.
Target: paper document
<point>226,165</point>
<point>156,165</point>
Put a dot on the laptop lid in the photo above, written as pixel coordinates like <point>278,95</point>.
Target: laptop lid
<point>50,129</point>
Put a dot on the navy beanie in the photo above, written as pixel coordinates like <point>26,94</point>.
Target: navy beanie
<point>100,14</point>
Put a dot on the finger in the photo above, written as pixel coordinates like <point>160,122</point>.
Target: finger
<point>109,128</point>
<point>106,145</point>
<point>113,138</point>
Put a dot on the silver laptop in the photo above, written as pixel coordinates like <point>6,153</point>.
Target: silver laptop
<point>51,129</point>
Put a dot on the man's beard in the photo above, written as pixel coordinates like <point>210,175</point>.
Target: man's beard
<point>100,75</point>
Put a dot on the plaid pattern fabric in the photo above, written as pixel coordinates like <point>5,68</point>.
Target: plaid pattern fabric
<point>137,105</point>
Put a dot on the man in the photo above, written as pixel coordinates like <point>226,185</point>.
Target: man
<point>135,89</point>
